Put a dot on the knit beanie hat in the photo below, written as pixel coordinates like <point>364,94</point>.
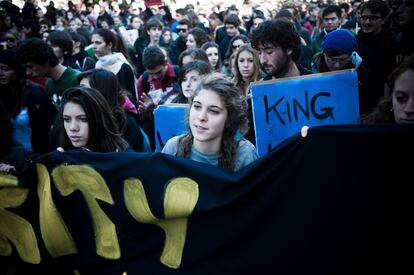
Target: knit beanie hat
<point>7,58</point>
<point>341,39</point>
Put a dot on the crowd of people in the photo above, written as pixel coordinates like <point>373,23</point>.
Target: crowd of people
<point>72,78</point>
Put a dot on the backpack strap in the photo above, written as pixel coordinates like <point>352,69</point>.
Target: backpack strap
<point>144,82</point>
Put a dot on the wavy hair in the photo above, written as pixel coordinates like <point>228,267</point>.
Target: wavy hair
<point>200,36</point>
<point>279,33</point>
<point>201,67</point>
<point>236,119</point>
<point>212,44</point>
<point>238,78</point>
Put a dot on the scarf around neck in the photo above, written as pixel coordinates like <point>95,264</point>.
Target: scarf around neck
<point>112,62</point>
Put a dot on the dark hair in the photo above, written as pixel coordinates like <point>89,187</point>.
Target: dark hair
<point>189,7</point>
<point>15,18</point>
<point>231,8</point>
<point>214,15</point>
<point>280,33</point>
<point>76,37</point>
<point>104,135</point>
<point>13,100</point>
<point>132,18</point>
<point>258,14</point>
<point>195,53</point>
<point>192,17</point>
<point>168,16</point>
<point>108,36</point>
<point>153,22</point>
<point>62,40</point>
<point>86,34</point>
<point>236,119</point>
<point>332,9</point>
<point>200,36</point>
<point>146,14</point>
<point>232,19</point>
<point>345,6</point>
<point>108,85</point>
<point>121,46</point>
<point>284,13</point>
<point>201,67</point>
<point>45,21</point>
<point>30,24</point>
<point>180,11</point>
<point>230,51</point>
<point>185,21</point>
<point>212,44</point>
<point>408,64</point>
<point>382,112</point>
<point>166,29</point>
<point>153,57</point>
<point>37,51</point>
<point>376,6</point>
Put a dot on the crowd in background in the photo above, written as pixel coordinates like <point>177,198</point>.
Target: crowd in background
<point>106,66</point>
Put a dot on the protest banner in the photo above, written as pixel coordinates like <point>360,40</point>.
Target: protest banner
<point>168,122</point>
<point>82,212</point>
<point>282,107</point>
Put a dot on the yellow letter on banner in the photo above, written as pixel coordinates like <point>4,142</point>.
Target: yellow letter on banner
<point>69,178</point>
<point>180,199</point>
<point>14,228</point>
<point>55,234</point>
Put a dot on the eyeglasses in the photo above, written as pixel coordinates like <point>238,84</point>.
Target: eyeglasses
<point>334,60</point>
<point>182,30</point>
<point>236,46</point>
<point>370,17</point>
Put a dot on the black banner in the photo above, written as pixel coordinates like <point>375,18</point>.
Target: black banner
<point>336,202</point>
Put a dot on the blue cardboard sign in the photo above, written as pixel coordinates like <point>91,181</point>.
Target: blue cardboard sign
<point>282,107</point>
<point>168,122</point>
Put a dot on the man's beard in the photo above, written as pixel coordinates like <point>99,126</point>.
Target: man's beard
<point>281,67</point>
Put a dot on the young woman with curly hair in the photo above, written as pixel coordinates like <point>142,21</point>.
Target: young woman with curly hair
<point>216,117</point>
